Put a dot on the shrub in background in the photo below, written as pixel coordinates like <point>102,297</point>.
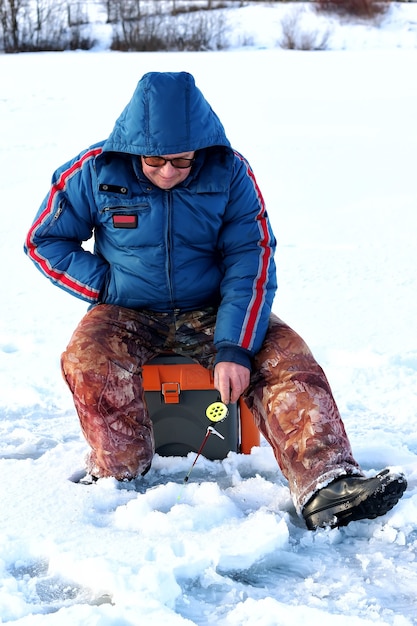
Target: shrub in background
<point>300,32</point>
<point>360,8</point>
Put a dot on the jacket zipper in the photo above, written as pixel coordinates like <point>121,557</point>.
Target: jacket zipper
<point>169,246</point>
<point>120,207</point>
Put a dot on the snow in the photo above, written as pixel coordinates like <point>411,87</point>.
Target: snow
<point>332,137</point>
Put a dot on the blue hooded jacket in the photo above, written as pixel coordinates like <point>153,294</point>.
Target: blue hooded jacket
<point>205,242</point>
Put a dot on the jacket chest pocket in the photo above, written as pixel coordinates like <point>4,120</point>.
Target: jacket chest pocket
<point>125,224</point>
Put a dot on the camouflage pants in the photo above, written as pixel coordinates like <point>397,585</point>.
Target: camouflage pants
<point>289,395</point>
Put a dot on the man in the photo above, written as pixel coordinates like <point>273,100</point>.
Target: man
<point>183,261</point>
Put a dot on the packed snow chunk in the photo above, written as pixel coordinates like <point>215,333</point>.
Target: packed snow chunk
<point>193,508</point>
<point>156,582</point>
<point>130,516</point>
<point>12,602</point>
<point>255,493</point>
<point>107,615</point>
<point>261,458</point>
<point>403,516</point>
<point>240,545</point>
<point>269,612</point>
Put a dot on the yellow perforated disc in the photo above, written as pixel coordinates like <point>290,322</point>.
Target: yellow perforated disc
<point>217,411</point>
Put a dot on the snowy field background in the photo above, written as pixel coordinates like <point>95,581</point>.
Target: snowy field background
<point>332,137</point>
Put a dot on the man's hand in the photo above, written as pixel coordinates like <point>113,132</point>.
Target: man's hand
<point>231,380</point>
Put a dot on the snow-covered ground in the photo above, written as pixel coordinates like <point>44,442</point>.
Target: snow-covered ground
<point>332,137</point>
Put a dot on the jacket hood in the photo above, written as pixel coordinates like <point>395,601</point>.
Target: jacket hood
<point>167,114</point>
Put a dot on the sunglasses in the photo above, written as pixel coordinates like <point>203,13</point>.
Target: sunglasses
<point>158,161</point>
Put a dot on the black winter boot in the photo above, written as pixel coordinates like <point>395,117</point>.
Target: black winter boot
<point>351,498</point>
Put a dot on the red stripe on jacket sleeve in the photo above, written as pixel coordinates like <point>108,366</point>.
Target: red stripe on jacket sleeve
<point>60,277</point>
<point>256,303</point>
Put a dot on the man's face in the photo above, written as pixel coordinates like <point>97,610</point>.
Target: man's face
<point>167,175</point>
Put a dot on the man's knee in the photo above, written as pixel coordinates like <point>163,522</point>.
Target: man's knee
<point>281,344</point>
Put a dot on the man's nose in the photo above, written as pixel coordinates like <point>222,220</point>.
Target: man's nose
<point>167,167</point>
